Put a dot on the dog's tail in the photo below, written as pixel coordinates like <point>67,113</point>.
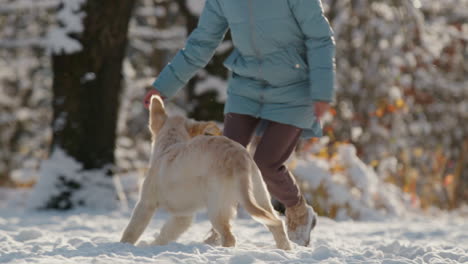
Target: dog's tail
<point>248,200</point>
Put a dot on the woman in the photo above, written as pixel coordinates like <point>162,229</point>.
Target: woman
<point>282,80</point>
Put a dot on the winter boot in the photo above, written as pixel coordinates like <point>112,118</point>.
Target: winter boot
<point>300,220</point>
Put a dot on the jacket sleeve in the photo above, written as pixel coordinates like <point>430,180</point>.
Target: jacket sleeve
<point>320,46</point>
<point>198,51</point>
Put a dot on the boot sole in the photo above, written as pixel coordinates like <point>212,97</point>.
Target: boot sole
<point>312,225</point>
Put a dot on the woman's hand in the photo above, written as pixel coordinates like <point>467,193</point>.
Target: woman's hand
<point>147,100</point>
<point>321,108</point>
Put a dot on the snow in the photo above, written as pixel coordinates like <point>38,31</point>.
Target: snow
<point>88,77</point>
<point>146,11</point>
<point>88,236</point>
<point>153,33</point>
<point>224,47</point>
<point>18,5</point>
<point>196,6</point>
<point>26,174</point>
<point>28,234</point>
<point>211,83</point>
<point>60,172</point>
<point>356,132</point>
<point>387,166</point>
<point>352,188</point>
<point>388,230</point>
<point>417,3</point>
<point>70,17</point>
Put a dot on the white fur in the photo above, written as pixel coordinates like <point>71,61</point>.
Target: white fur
<point>189,171</point>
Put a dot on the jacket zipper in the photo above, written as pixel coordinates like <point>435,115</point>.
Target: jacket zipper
<point>258,54</point>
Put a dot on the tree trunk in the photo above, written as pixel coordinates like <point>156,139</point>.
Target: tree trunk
<point>205,106</point>
<point>460,195</point>
<point>86,89</point>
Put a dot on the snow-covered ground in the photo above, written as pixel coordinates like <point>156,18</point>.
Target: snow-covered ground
<point>85,236</point>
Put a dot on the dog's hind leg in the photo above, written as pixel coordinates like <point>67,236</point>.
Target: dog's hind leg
<point>172,229</point>
<point>280,236</point>
<point>140,219</point>
<point>259,190</point>
<point>214,238</point>
<point>220,219</point>
<point>141,215</point>
<point>263,200</point>
<point>278,231</point>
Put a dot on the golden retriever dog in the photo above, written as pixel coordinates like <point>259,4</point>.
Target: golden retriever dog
<point>190,171</point>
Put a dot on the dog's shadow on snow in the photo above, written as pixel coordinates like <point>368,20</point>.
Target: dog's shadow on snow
<point>123,249</point>
<point>173,250</point>
<point>116,249</point>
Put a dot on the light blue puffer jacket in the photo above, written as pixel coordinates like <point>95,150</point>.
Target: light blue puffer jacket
<point>283,58</point>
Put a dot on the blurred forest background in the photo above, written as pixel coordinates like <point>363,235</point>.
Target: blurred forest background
<point>73,74</point>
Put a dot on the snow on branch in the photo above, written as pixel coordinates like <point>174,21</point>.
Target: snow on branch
<point>195,6</point>
<point>212,83</point>
<point>28,4</point>
<point>147,11</point>
<point>70,17</point>
<point>346,187</point>
<point>145,32</point>
<point>19,43</point>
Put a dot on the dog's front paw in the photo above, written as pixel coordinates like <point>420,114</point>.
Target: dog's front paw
<point>286,245</point>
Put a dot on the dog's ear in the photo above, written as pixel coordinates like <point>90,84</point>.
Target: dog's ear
<point>212,129</point>
<point>203,128</point>
<point>157,114</point>
<point>192,128</point>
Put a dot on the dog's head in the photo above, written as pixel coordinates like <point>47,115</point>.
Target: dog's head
<point>159,121</point>
<point>196,128</point>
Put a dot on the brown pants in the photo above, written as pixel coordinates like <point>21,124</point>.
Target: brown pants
<point>275,147</point>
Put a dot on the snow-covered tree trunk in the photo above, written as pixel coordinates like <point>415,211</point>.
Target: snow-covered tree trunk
<point>87,65</point>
